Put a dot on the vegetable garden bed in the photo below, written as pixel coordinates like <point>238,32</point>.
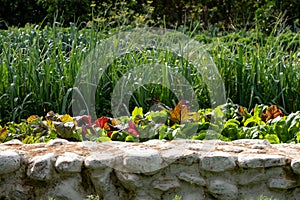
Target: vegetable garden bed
<point>227,122</point>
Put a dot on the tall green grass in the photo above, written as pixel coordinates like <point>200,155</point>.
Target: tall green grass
<point>39,65</point>
<point>257,68</point>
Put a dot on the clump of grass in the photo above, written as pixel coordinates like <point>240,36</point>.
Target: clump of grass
<point>38,67</point>
<point>258,68</point>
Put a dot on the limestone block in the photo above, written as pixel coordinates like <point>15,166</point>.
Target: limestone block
<point>10,161</point>
<point>100,160</point>
<point>172,154</point>
<point>233,149</point>
<point>251,142</point>
<point>187,192</point>
<point>101,178</point>
<point>281,183</point>
<point>260,160</point>
<point>103,183</point>
<point>295,164</point>
<point>129,180</point>
<point>188,159</point>
<point>56,142</point>
<point>40,167</point>
<point>191,178</point>
<point>222,190</point>
<point>69,162</point>
<point>217,162</point>
<point>13,142</point>
<point>294,195</point>
<point>142,195</point>
<point>68,189</point>
<point>253,176</point>
<point>142,160</point>
<point>14,190</point>
<point>165,184</point>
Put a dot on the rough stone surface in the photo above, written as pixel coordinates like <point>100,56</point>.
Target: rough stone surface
<point>223,190</point>
<point>191,178</point>
<point>40,167</point>
<point>280,183</point>
<point>156,169</point>
<point>56,142</point>
<point>296,165</point>
<point>165,184</point>
<point>260,160</point>
<point>9,161</point>
<point>100,160</point>
<point>69,162</point>
<point>142,160</point>
<point>217,162</point>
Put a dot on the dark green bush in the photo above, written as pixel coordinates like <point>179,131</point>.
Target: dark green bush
<point>224,14</point>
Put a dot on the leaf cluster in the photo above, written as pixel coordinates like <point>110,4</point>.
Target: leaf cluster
<point>226,122</point>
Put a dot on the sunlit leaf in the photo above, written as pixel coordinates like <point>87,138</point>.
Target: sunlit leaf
<point>298,137</point>
<point>32,117</point>
<point>129,138</point>
<point>66,118</point>
<point>101,122</point>
<point>253,121</point>
<point>272,138</point>
<point>103,139</point>
<point>271,112</point>
<point>114,122</point>
<point>28,140</point>
<point>137,115</point>
<point>180,113</point>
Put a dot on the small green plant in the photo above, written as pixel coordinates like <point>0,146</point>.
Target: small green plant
<point>92,197</point>
<point>262,197</point>
<point>176,197</point>
<point>89,197</point>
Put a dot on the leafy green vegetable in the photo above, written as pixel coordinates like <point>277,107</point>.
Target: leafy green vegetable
<point>238,124</point>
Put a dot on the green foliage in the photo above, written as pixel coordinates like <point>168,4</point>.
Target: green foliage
<point>93,197</point>
<point>223,15</point>
<point>66,11</point>
<point>89,197</point>
<point>36,130</point>
<point>238,124</point>
<point>177,197</point>
<point>262,197</point>
<point>257,68</point>
<point>39,66</point>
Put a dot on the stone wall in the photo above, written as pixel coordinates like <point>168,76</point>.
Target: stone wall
<point>152,170</point>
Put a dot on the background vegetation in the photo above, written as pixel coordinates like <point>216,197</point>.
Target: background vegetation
<point>253,43</point>
<point>224,14</point>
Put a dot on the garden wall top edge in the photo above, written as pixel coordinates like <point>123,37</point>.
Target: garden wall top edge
<point>154,155</point>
